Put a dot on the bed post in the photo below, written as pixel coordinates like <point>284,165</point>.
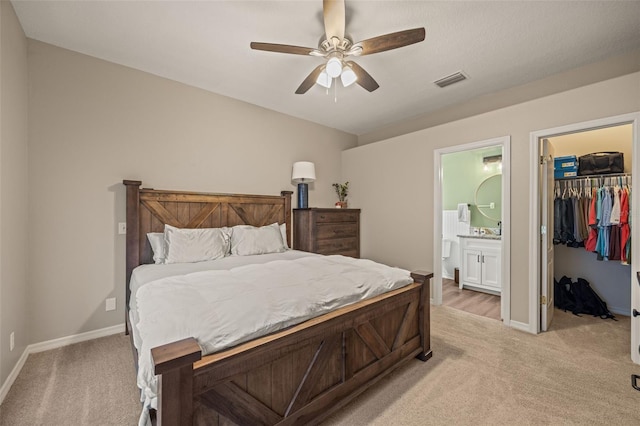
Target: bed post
<point>287,213</point>
<point>173,364</point>
<point>424,278</point>
<point>133,238</point>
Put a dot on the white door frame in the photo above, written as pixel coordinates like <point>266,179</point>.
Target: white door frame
<point>505,297</point>
<point>534,220</point>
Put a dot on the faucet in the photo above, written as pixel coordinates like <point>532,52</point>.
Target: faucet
<point>500,227</point>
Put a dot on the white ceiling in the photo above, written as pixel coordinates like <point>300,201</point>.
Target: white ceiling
<point>205,44</point>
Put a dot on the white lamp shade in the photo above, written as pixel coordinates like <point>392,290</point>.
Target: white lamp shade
<point>334,67</point>
<point>324,80</point>
<point>348,77</point>
<point>303,171</point>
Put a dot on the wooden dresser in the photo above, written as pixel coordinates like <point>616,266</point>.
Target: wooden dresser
<point>327,231</point>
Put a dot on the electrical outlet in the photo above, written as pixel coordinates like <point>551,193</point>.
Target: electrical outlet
<point>122,228</point>
<point>12,341</point>
<point>110,304</point>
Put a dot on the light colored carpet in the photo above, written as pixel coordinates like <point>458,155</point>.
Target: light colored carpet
<point>482,373</point>
<point>88,383</point>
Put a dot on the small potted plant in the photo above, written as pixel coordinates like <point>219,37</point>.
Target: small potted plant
<point>342,190</point>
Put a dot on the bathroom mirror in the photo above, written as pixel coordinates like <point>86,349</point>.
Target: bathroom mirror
<point>489,197</point>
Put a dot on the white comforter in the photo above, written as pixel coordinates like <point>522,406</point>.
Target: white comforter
<point>222,308</point>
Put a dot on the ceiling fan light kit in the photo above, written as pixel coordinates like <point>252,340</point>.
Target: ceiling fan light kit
<point>348,77</point>
<point>324,80</point>
<point>334,67</point>
<point>335,48</point>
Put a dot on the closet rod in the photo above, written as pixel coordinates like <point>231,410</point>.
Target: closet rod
<point>595,176</point>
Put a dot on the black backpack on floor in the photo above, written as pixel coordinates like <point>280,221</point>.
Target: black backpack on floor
<point>588,301</point>
<point>579,298</point>
<point>562,295</point>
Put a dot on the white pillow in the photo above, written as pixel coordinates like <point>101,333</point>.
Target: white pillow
<point>183,245</point>
<point>247,240</point>
<point>156,239</point>
<point>283,233</point>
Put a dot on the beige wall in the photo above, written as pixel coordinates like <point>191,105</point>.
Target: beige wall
<point>392,180</point>
<point>94,123</point>
<point>13,189</point>
<point>606,69</point>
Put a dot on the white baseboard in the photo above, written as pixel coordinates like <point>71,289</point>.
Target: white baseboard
<point>4,390</point>
<point>76,338</point>
<point>54,344</point>
<point>521,326</point>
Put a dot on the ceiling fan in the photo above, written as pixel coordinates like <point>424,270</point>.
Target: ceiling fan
<point>336,48</point>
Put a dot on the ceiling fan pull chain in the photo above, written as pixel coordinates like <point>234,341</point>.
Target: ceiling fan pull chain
<point>335,92</point>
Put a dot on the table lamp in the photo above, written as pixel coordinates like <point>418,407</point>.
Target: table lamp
<point>303,172</point>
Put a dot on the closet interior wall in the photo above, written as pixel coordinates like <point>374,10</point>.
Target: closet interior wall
<point>610,279</point>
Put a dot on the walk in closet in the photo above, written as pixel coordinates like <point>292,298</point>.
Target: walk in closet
<point>592,229</point>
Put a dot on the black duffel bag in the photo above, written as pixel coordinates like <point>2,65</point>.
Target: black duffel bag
<point>601,163</point>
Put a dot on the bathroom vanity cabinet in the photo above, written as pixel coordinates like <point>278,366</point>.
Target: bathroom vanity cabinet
<point>480,267</point>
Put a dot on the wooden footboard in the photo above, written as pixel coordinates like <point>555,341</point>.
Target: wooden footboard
<point>299,375</point>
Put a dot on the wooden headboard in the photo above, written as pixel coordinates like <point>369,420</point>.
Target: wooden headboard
<point>148,210</point>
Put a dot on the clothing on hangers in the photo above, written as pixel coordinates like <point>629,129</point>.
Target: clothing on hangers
<point>594,213</point>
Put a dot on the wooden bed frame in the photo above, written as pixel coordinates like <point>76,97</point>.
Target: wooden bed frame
<point>296,376</point>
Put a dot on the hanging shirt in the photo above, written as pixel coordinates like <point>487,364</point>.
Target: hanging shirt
<point>606,207</point>
<point>577,220</point>
<point>625,232</point>
<point>592,221</point>
<point>593,207</point>
<point>557,221</point>
<point>584,217</point>
<point>603,241</point>
<point>615,209</point>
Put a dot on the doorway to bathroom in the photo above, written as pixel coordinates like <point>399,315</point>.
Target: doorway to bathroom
<point>471,214</point>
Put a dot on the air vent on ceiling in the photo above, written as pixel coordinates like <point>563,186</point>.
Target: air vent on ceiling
<point>451,79</point>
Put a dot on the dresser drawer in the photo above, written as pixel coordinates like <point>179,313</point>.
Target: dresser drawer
<point>337,246</point>
<point>327,231</point>
<point>337,216</point>
<point>336,230</point>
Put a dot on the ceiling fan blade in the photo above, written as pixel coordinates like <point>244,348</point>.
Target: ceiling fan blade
<point>364,78</point>
<point>334,20</point>
<point>391,41</point>
<point>310,80</point>
<point>282,48</point>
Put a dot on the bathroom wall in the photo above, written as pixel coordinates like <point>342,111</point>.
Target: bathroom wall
<point>462,172</point>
